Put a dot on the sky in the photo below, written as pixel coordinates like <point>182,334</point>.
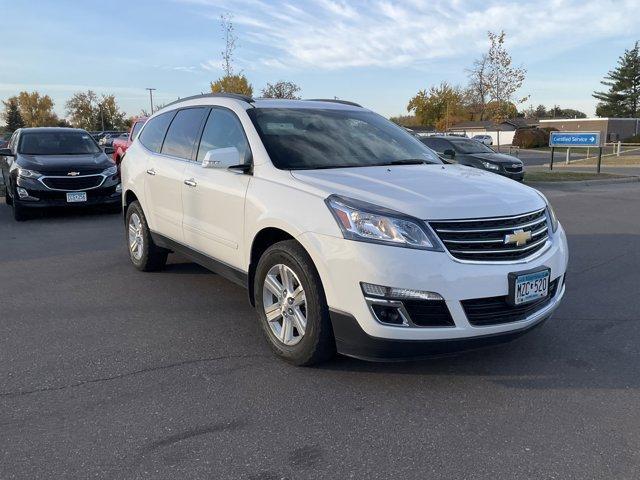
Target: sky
<point>378,53</point>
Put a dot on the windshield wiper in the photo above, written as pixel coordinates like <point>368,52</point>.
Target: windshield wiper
<point>405,161</point>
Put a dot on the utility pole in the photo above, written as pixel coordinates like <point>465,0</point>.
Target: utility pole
<point>151,97</point>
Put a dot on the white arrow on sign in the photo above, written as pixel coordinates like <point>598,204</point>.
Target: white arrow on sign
<point>593,139</point>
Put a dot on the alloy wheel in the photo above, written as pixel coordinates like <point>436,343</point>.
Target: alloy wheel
<point>285,304</point>
<point>136,238</point>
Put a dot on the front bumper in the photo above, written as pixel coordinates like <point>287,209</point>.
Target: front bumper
<point>39,196</point>
<point>343,264</point>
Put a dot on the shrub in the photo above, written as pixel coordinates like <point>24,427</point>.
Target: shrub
<point>632,139</point>
<point>531,137</point>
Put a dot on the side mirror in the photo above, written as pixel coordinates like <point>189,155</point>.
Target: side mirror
<point>449,153</point>
<point>109,150</point>
<point>6,152</point>
<point>222,158</point>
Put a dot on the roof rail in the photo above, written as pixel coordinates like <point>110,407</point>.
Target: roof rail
<point>333,100</point>
<point>236,96</point>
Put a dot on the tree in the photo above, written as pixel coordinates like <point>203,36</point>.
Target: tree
<point>623,97</point>
<point>478,89</point>
<point>281,89</point>
<point>36,110</point>
<point>87,111</point>
<point>503,79</point>
<point>81,110</point>
<point>11,114</point>
<point>230,82</point>
<point>441,106</point>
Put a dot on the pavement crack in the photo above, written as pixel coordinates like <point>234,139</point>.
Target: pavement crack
<point>80,383</point>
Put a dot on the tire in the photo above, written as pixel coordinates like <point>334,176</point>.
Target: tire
<point>7,198</point>
<point>316,344</point>
<point>146,256</point>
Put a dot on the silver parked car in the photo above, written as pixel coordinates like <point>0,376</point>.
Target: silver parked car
<point>486,139</point>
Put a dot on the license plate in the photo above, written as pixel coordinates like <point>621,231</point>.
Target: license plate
<point>73,197</point>
<point>525,287</point>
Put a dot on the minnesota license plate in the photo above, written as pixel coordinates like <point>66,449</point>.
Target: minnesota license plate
<point>527,287</point>
<point>73,197</point>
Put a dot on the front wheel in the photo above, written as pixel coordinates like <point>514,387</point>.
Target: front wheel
<point>144,254</point>
<point>291,305</point>
<point>19,212</point>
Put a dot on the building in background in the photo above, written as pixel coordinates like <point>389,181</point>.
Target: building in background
<point>506,129</point>
<point>611,129</point>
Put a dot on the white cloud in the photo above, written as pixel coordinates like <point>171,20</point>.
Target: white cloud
<point>333,34</point>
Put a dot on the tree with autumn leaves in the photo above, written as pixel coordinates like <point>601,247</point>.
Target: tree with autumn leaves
<point>489,95</point>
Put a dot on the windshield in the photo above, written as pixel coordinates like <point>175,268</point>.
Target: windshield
<point>470,146</point>
<point>57,143</point>
<point>301,138</point>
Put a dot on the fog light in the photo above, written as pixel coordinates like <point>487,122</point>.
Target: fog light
<point>22,193</point>
<point>372,290</point>
<point>388,314</point>
<point>119,188</point>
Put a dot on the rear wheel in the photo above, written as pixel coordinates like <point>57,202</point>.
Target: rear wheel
<point>291,305</point>
<point>144,254</point>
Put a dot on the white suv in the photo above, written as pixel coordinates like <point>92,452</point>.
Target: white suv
<point>349,234</point>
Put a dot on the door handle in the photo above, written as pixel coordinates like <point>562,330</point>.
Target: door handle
<point>151,171</point>
<point>191,182</point>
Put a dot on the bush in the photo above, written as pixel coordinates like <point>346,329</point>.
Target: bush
<point>531,137</point>
<point>633,139</point>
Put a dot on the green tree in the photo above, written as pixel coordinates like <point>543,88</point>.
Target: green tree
<point>81,110</point>
<point>11,114</point>
<point>281,89</point>
<point>441,106</point>
<point>87,110</point>
<point>623,96</point>
<point>36,110</point>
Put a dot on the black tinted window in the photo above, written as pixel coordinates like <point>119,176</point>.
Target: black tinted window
<point>223,129</point>
<point>437,144</point>
<point>332,138</point>
<point>183,132</point>
<point>153,133</point>
<point>59,142</point>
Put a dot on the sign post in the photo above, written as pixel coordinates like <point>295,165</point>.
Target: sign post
<point>573,140</point>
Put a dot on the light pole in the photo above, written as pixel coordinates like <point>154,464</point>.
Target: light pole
<point>151,98</point>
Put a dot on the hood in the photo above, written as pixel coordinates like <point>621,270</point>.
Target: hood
<point>63,164</point>
<point>496,157</point>
<point>428,192</point>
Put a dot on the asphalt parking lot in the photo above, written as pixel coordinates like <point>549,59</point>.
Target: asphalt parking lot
<point>112,373</point>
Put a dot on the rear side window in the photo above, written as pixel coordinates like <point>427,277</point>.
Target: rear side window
<point>437,144</point>
<point>223,129</point>
<point>183,132</point>
<point>136,128</point>
<point>153,133</point>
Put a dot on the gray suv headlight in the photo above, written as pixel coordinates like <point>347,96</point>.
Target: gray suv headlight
<point>364,222</point>
<point>24,173</point>
<point>110,171</point>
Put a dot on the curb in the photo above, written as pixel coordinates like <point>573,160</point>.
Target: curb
<point>586,183</point>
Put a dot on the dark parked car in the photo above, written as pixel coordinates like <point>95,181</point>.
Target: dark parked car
<point>48,167</point>
<point>475,154</point>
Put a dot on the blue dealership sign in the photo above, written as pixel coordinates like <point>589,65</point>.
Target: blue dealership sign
<point>574,139</point>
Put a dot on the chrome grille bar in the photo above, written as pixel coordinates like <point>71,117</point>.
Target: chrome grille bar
<point>494,239</point>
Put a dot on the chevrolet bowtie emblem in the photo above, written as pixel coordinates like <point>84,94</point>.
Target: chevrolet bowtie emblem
<point>519,237</point>
<point>73,174</point>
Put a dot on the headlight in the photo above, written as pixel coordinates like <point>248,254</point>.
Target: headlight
<point>24,173</point>
<point>110,171</point>
<point>490,166</point>
<point>551,214</point>
<point>365,222</point>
